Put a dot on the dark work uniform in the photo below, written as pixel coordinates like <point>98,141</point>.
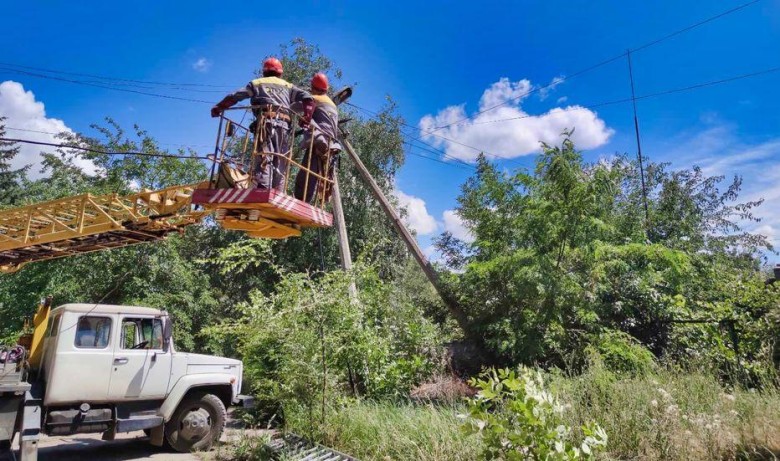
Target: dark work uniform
<point>275,98</point>
<point>324,130</point>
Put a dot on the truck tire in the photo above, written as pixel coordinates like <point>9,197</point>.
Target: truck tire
<point>196,424</point>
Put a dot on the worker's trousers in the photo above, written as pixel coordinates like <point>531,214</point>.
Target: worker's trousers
<point>273,153</point>
<point>306,183</point>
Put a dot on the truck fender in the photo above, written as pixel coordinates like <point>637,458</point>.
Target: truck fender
<point>189,382</point>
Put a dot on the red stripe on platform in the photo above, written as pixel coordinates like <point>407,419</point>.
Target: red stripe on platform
<point>248,197</point>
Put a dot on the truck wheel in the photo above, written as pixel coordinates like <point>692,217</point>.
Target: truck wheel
<point>196,424</point>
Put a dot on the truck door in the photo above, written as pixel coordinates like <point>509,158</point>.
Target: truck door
<point>79,353</point>
<point>141,369</point>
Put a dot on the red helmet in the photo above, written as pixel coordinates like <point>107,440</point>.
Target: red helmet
<point>272,65</point>
<point>319,82</point>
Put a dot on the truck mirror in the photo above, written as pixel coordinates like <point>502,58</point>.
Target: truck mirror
<point>167,333</point>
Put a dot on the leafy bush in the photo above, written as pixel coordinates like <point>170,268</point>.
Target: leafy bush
<point>621,353</point>
<point>307,345</point>
<point>519,419</point>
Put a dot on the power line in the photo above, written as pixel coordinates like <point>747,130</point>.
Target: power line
<point>555,82</point>
<point>646,96</point>
<point>98,151</point>
<point>147,154</point>
<point>603,63</point>
<point>80,82</point>
<point>433,149</point>
<point>9,68</point>
<point>458,165</point>
<point>189,146</point>
<point>445,154</point>
<point>115,79</point>
<point>693,26</point>
<point>148,87</point>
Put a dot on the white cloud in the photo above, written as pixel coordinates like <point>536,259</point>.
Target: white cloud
<point>518,136</point>
<point>545,90</point>
<point>201,65</point>
<point>454,224</point>
<point>767,231</point>
<point>432,254</point>
<point>562,99</point>
<point>23,112</point>
<point>417,216</point>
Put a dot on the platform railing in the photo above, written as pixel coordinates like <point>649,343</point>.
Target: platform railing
<point>240,146</point>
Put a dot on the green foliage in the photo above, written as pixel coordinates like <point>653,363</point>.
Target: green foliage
<point>10,192</point>
<point>180,275</point>
<point>381,430</point>
<point>666,415</point>
<point>306,343</point>
<point>519,419</point>
<point>246,447</point>
<point>671,414</point>
<point>563,256</point>
<point>621,353</point>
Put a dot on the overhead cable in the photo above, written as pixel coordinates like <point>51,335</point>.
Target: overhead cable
<point>112,79</point>
<point>96,85</point>
<point>645,96</point>
<point>560,80</point>
<point>98,151</point>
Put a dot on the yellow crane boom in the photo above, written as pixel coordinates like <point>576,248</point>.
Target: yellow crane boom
<point>87,222</point>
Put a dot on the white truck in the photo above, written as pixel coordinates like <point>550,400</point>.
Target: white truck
<point>95,368</point>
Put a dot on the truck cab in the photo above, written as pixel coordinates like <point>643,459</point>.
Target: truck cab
<point>106,368</point>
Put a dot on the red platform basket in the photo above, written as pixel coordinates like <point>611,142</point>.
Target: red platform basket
<point>261,212</point>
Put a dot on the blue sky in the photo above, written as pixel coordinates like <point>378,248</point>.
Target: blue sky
<point>438,60</point>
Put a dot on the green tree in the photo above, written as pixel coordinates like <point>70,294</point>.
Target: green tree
<point>10,179</point>
<point>563,256</point>
<point>167,274</point>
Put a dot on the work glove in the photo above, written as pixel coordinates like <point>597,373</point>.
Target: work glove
<point>226,103</point>
<point>308,111</point>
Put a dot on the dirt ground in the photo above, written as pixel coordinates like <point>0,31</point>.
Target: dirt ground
<point>130,446</point>
<point>126,447</point>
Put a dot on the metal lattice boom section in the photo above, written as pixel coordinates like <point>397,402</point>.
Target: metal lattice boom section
<point>87,222</point>
<point>293,447</point>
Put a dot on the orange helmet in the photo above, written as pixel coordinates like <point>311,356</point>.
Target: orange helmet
<point>319,82</point>
<point>272,65</point>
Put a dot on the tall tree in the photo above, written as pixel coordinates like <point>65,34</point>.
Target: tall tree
<point>560,254</point>
<point>10,179</point>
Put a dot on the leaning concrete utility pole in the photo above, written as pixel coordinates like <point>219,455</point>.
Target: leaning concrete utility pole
<point>409,240</point>
<point>341,228</point>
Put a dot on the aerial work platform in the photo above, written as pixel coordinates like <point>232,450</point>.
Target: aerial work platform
<point>274,213</point>
<point>86,223</point>
<point>265,213</point>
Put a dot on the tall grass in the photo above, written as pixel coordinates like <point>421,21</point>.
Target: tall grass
<point>664,416</point>
<point>674,415</point>
<point>384,431</point>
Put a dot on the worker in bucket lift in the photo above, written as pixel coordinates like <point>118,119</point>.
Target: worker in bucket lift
<point>273,100</point>
<point>318,142</point>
